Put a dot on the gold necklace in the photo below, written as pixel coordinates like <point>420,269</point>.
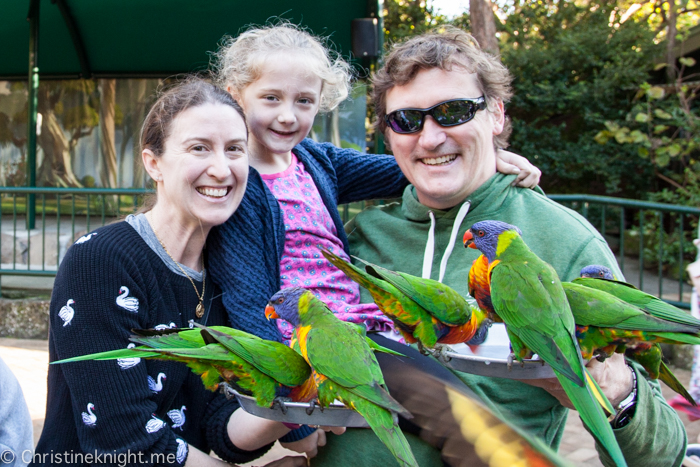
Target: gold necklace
<point>199,312</point>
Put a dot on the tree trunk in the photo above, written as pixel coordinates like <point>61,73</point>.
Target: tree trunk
<point>483,25</point>
<point>108,174</point>
<point>137,91</point>
<point>671,32</point>
<point>57,166</point>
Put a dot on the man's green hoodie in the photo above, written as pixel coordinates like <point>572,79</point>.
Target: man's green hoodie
<point>396,236</point>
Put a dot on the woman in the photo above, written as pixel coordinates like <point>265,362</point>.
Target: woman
<point>149,271</point>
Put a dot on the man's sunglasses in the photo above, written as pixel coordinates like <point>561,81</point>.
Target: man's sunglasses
<point>449,113</point>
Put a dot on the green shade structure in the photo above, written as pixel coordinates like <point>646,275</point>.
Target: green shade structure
<point>126,38</point>
<point>72,39</point>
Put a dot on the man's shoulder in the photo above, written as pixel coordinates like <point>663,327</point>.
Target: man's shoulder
<point>387,212</point>
<point>539,208</point>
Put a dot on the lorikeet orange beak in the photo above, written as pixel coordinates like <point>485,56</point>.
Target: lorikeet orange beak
<point>270,313</point>
<point>469,240</point>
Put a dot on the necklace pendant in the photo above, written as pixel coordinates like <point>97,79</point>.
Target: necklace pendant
<point>200,310</point>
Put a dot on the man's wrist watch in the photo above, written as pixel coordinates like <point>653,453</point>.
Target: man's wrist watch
<point>626,408</point>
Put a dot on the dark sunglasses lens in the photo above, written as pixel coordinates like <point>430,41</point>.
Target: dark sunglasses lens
<point>454,113</point>
<point>405,121</point>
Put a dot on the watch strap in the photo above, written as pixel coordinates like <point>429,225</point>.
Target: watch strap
<point>626,408</point>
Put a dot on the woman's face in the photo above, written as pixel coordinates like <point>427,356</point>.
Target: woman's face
<point>203,170</point>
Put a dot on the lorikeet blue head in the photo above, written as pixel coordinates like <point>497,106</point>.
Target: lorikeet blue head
<point>483,236</point>
<point>597,271</point>
<point>285,304</point>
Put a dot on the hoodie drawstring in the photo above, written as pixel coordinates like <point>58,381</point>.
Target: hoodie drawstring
<point>430,245</point>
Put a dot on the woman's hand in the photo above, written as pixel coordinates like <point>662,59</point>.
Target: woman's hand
<point>311,443</point>
<point>511,163</point>
<point>249,432</point>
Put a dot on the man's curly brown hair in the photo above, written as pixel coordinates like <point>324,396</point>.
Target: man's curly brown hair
<point>447,48</point>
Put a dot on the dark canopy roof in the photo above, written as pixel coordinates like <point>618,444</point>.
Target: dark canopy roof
<point>150,37</point>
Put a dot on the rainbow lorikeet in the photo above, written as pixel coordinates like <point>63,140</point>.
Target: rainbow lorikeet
<point>606,324</point>
<point>639,340</point>
<point>343,365</point>
<point>423,310</point>
<point>527,295</point>
<point>265,369</point>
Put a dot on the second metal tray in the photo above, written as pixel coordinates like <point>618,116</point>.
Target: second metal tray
<point>491,359</point>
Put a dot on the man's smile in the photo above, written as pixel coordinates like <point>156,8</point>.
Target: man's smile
<point>441,160</point>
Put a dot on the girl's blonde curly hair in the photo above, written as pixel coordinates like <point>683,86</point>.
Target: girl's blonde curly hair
<point>239,60</point>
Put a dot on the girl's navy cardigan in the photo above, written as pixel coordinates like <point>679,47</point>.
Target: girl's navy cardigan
<point>245,252</point>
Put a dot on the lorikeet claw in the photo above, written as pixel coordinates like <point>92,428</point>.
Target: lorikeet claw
<point>422,349</point>
<point>602,357</point>
<point>509,360</point>
<point>312,406</point>
<point>281,403</point>
<point>227,390</point>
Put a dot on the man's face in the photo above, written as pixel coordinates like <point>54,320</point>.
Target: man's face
<point>445,164</point>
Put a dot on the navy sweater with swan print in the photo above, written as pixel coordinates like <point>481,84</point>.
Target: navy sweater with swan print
<point>123,410</point>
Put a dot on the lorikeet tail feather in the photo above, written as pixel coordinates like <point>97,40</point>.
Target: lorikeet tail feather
<point>350,270</point>
<point>142,352</point>
<point>387,430</point>
<point>672,382</point>
<point>378,348</point>
<point>676,337</point>
<point>591,412</point>
<point>599,396</point>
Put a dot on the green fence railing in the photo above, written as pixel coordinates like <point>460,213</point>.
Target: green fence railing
<point>659,236</point>
<point>652,241</point>
<point>62,216</point>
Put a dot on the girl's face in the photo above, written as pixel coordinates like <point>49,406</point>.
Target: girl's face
<point>280,105</point>
<point>203,170</point>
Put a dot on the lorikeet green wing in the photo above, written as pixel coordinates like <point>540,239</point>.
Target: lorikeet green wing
<point>527,294</point>
<point>455,320</point>
<point>630,294</point>
<point>414,323</point>
<point>598,308</point>
<point>269,357</point>
<point>441,301</point>
<point>204,356</point>
<point>344,366</point>
<point>647,322</point>
<point>408,311</point>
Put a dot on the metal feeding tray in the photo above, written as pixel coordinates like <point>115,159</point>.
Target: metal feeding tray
<point>491,359</point>
<point>304,413</point>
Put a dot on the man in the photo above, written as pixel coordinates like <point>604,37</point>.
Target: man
<point>440,104</point>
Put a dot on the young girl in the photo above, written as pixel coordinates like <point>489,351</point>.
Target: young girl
<point>283,76</point>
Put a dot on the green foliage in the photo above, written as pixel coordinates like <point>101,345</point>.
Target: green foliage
<point>666,249</point>
<point>574,71</point>
<point>406,18</point>
<point>663,127</point>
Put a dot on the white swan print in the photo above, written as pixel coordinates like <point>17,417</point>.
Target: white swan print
<point>178,417</point>
<point>160,327</point>
<point>89,418</point>
<point>66,312</point>
<point>126,363</point>
<point>85,238</point>
<point>126,302</point>
<point>156,386</point>
<point>181,450</point>
<point>154,424</point>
